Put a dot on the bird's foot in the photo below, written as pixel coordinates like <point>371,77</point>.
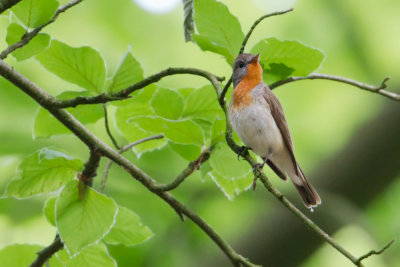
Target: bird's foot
<point>257,169</point>
<point>242,151</point>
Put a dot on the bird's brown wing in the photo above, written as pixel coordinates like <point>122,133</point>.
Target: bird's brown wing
<point>279,117</point>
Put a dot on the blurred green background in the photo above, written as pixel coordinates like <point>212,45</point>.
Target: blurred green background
<point>346,139</point>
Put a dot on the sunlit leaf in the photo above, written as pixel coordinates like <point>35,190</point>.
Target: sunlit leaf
<point>231,186</point>
<point>218,30</point>
<point>281,59</point>
<point>45,125</point>
<point>167,103</point>
<point>35,46</point>
<point>128,73</point>
<point>49,210</point>
<point>202,103</point>
<point>188,152</point>
<point>83,218</point>
<point>42,172</point>
<point>83,66</point>
<point>19,255</point>
<point>34,13</point>
<point>181,132</point>
<point>95,255</point>
<point>231,175</point>
<point>218,131</point>
<point>137,106</point>
<point>128,229</point>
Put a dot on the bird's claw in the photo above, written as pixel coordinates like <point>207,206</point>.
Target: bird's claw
<point>257,168</point>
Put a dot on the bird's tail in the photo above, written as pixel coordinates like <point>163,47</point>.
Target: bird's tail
<point>307,192</point>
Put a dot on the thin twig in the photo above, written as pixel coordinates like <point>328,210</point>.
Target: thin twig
<point>123,94</point>
<point>129,146</point>
<point>243,46</point>
<point>192,166</point>
<point>371,88</point>
<point>108,128</point>
<point>122,150</point>
<point>374,252</point>
<point>47,252</point>
<point>27,37</point>
<point>90,168</point>
<point>246,38</point>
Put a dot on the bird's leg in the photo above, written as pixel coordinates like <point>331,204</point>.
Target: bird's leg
<point>258,167</point>
<point>242,151</point>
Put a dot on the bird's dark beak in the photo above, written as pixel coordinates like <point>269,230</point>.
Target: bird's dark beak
<point>255,58</point>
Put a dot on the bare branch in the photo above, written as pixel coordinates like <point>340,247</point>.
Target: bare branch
<point>364,86</point>
<point>47,252</point>
<point>123,94</point>
<point>90,169</point>
<point>7,4</point>
<point>374,252</point>
<point>246,38</point>
<point>194,165</point>
<point>122,150</point>
<point>108,128</point>
<point>129,146</point>
<point>27,37</point>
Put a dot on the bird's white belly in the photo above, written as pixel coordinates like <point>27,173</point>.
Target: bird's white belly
<point>257,129</point>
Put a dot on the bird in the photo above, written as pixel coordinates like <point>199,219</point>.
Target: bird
<point>258,119</point>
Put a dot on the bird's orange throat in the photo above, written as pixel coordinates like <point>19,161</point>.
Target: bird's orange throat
<point>241,93</point>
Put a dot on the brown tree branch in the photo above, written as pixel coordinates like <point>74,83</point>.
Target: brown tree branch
<point>371,88</point>
<point>7,4</point>
<point>28,36</point>
<point>106,125</point>
<point>192,166</point>
<point>374,252</point>
<point>47,252</point>
<point>123,94</point>
<point>87,137</point>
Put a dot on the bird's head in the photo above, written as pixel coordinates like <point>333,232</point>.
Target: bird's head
<point>246,66</point>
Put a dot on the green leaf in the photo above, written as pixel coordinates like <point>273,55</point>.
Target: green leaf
<point>128,73</point>
<point>181,132</point>
<point>83,220</point>
<point>281,59</point>
<point>188,152</point>
<point>137,106</point>
<point>231,176</point>
<point>231,186</point>
<point>218,131</point>
<point>35,46</point>
<point>202,104</point>
<point>83,66</point>
<point>218,30</point>
<point>49,210</point>
<point>95,255</point>
<point>43,172</point>
<point>34,13</point>
<point>128,229</point>
<point>167,103</point>
<point>19,255</point>
<point>45,125</point>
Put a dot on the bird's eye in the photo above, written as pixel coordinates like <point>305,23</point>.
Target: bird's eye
<point>241,64</point>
